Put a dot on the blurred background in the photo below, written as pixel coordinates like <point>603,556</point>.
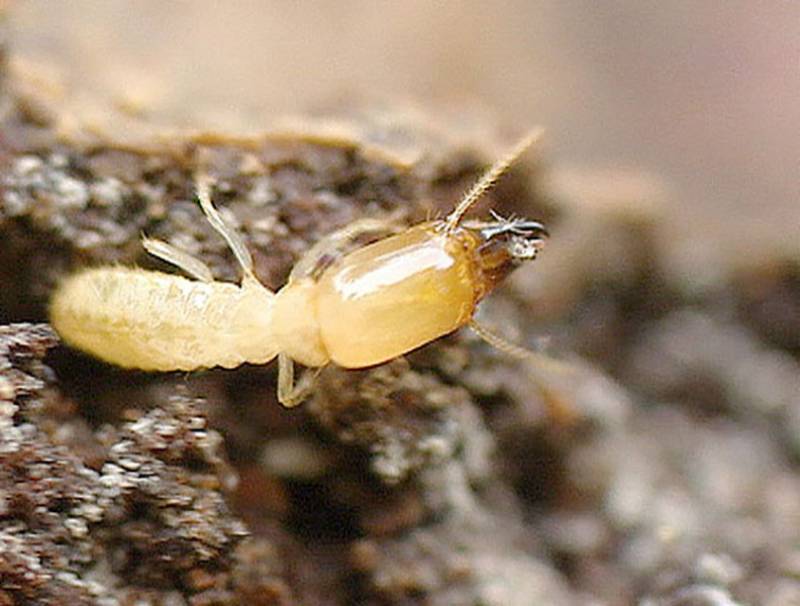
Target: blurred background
<point>702,97</point>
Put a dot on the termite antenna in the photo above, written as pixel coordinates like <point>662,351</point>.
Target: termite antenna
<point>488,179</point>
<point>512,349</point>
<point>543,370</point>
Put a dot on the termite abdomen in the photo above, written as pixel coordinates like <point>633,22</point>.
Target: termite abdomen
<point>155,321</point>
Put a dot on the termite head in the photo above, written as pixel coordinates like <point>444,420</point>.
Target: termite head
<point>499,245</point>
<point>503,244</point>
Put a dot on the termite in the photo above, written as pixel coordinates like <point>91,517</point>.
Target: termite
<point>355,309</point>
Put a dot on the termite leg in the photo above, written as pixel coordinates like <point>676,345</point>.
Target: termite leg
<point>180,259</point>
<point>289,393</point>
<point>326,250</point>
<point>228,232</point>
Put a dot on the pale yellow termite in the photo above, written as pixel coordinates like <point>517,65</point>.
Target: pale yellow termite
<point>356,310</point>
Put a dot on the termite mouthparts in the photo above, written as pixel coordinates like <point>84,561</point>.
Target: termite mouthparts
<point>355,309</point>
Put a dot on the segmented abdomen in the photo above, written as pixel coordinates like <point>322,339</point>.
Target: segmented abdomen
<point>156,321</point>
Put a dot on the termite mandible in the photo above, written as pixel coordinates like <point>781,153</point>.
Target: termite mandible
<point>354,309</point>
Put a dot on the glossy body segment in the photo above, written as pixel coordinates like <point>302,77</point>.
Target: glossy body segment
<point>156,321</point>
<point>295,327</point>
<point>395,295</point>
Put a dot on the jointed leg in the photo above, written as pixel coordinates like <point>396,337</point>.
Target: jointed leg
<point>180,259</point>
<point>232,237</point>
<point>328,248</point>
<point>191,265</point>
<point>290,394</point>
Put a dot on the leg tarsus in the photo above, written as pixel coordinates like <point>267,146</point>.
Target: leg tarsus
<point>289,393</point>
<point>228,232</point>
<point>180,259</point>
